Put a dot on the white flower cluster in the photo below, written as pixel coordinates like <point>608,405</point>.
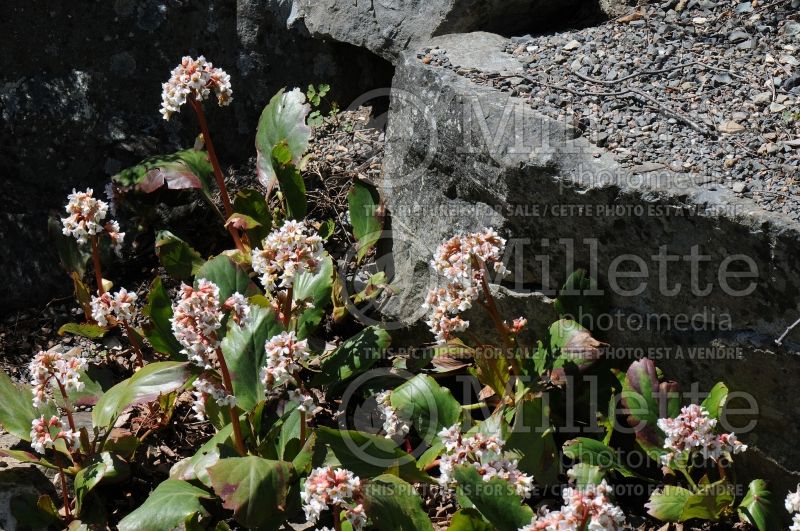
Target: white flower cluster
<point>337,489</point>
<point>587,509</point>
<point>42,434</point>
<point>693,432</point>
<point>485,454</point>
<point>196,78</point>
<point>285,252</point>
<point>239,307</point>
<point>54,369</point>
<point>285,353</point>
<point>86,215</point>
<point>462,260</point>
<point>392,424</point>
<point>196,318</point>
<point>122,305</point>
<point>305,402</point>
<point>792,504</point>
<point>205,388</point>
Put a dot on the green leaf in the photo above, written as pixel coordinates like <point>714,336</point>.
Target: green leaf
<point>469,520</point>
<point>532,436</point>
<point>243,348</point>
<point>586,474</point>
<point>253,204</point>
<point>369,455</point>
<point>574,345</point>
<point>365,215</point>
<point>282,122</point>
<point>668,503</point>
<point>708,504</point>
<point>758,508</point>
<point>229,276</point>
<point>158,329</point>
<point>316,289</point>
<point>34,511</point>
<point>715,400</point>
<point>356,355</point>
<point>596,453</point>
<point>102,466</point>
<point>293,189</point>
<point>27,457</point>
<point>639,393</point>
<point>16,408</point>
<point>255,489</point>
<point>185,169</point>
<point>168,506</point>
<point>427,405</point>
<point>147,384</point>
<point>88,330</point>
<point>496,499</point>
<point>579,298</point>
<point>178,257</point>
<point>394,504</point>
<point>196,467</point>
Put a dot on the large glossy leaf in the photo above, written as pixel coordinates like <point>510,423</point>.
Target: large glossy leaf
<point>158,329</point>
<point>394,504</point>
<point>708,504</point>
<point>185,169</point>
<point>178,257</point>
<point>255,489</point>
<point>315,288</point>
<point>145,385</point>
<point>495,499</point>
<point>574,345</point>
<point>293,189</point>
<point>715,401</point>
<point>196,467</point>
<point>252,203</point>
<point>429,406</point>
<point>365,215</point>
<point>667,504</point>
<point>229,276</point>
<point>87,330</point>
<point>758,507</point>
<point>282,128</point>
<point>101,466</point>
<point>16,408</point>
<point>27,457</point>
<point>171,504</point>
<point>369,455</point>
<point>354,356</point>
<point>596,453</point>
<point>639,393</point>
<point>585,474</point>
<point>243,348</point>
<point>469,520</point>
<point>579,298</point>
<point>532,437</point>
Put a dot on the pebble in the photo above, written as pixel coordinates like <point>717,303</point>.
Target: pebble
<point>572,45</point>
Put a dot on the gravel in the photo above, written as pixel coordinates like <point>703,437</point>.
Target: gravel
<point>708,88</point>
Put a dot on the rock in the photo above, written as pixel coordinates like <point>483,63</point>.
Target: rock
<point>19,481</point>
<point>738,187</point>
<point>91,93</point>
<point>461,156</point>
<point>730,127</point>
<point>388,28</point>
<point>776,107</point>
<point>762,98</point>
<point>572,45</point>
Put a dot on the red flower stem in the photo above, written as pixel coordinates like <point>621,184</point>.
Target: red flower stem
<point>302,429</point>
<point>67,406</point>
<point>212,157</point>
<point>237,429</point>
<point>287,308</point>
<point>337,518</point>
<point>64,493</point>
<point>134,343</point>
<point>98,274</point>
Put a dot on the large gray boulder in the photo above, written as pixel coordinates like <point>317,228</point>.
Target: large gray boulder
<point>461,156</point>
<point>81,89</point>
<point>387,27</point>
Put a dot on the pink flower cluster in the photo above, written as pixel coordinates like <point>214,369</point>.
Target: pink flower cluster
<point>207,387</point>
<point>485,454</point>
<point>122,305</point>
<point>86,215</point>
<point>196,317</point>
<point>285,354</point>
<point>42,434</point>
<point>792,504</point>
<point>463,261</point>
<point>337,489</point>
<point>587,509</point>
<point>54,369</point>
<point>285,252</point>
<point>692,432</point>
<point>196,78</point>
<point>393,425</point>
<point>238,307</point>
